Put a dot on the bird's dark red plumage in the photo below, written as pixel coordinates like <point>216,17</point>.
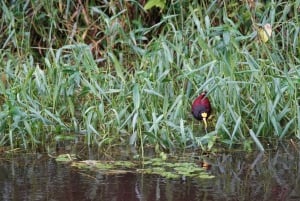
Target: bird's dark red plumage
<point>201,105</point>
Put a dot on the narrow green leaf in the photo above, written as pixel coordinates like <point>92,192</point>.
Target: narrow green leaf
<point>158,3</point>
<point>136,96</point>
<point>256,140</point>
<point>118,67</point>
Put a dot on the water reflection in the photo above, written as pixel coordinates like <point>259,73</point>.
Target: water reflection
<point>239,176</point>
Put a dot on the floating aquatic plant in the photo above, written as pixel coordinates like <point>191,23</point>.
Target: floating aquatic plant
<point>156,166</point>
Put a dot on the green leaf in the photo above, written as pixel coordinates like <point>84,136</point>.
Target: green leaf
<point>158,3</point>
<point>136,96</point>
<point>118,67</point>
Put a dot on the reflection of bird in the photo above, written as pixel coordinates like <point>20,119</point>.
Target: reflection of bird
<point>201,108</point>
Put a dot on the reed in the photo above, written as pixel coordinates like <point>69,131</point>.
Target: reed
<point>115,74</point>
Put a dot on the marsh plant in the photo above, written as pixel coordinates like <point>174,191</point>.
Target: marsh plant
<point>110,72</point>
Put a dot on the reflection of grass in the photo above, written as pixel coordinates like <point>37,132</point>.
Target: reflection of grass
<point>107,74</point>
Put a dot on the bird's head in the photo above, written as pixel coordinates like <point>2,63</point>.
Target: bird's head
<point>199,112</point>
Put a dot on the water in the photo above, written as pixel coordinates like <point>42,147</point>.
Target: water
<point>273,175</point>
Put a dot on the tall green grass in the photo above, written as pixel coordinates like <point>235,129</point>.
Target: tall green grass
<point>102,73</point>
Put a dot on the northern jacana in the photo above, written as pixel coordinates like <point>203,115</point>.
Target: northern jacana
<point>201,108</point>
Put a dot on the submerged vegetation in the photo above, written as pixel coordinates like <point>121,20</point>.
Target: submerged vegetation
<point>112,73</point>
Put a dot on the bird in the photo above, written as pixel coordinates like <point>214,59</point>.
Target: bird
<point>201,108</point>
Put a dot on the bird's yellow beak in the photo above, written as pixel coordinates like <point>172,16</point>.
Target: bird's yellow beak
<point>204,116</point>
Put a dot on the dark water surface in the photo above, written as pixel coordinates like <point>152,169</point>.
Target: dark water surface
<point>273,175</point>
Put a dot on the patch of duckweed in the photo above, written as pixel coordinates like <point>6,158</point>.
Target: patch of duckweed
<point>124,164</point>
<point>170,175</point>
<point>65,158</point>
<point>154,162</point>
<point>103,165</point>
<point>155,166</point>
<point>174,170</point>
<point>88,164</point>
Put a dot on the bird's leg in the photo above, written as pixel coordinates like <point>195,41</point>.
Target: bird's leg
<point>205,124</point>
<point>204,116</point>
